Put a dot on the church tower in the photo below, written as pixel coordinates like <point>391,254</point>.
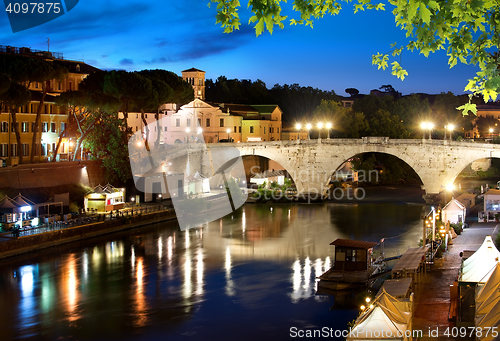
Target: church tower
<point>196,78</point>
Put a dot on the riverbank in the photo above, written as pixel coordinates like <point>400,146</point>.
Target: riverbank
<point>432,301</point>
<point>13,246</point>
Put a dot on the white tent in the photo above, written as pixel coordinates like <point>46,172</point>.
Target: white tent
<point>454,211</point>
<point>489,294</point>
<point>389,319</point>
<point>488,322</point>
<point>477,268</point>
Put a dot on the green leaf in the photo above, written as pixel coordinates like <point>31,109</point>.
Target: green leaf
<point>468,107</point>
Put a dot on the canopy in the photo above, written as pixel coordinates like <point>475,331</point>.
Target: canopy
<point>377,325</point>
<point>490,320</point>
<point>489,294</point>
<point>477,268</point>
<point>389,319</point>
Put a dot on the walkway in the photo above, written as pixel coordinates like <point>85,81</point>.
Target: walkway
<point>432,301</point>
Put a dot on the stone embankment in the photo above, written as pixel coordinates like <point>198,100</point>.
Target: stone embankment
<point>13,246</point>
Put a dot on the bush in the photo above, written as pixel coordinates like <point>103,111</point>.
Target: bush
<point>457,227</point>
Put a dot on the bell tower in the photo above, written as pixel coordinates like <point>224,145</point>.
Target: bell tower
<point>196,78</point>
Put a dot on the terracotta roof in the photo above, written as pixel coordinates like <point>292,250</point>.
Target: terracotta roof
<point>357,244</point>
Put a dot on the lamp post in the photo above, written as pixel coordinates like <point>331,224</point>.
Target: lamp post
<point>200,130</point>
<point>427,126</point>
<point>187,132</point>
<point>328,127</point>
<point>298,126</point>
<point>308,127</point>
<point>491,132</point>
<point>320,126</point>
<point>450,128</point>
<point>227,131</point>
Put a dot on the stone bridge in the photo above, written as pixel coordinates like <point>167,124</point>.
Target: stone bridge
<point>311,163</point>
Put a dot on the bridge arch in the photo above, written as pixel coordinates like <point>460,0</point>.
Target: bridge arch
<point>310,162</point>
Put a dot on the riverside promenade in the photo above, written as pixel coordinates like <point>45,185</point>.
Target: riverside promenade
<point>432,301</point>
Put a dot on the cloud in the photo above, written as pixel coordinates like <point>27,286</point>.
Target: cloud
<point>126,61</point>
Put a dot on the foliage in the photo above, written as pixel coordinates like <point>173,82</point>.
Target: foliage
<point>294,100</point>
<point>467,30</point>
<point>390,169</point>
<point>457,227</point>
<point>109,142</point>
<point>484,124</point>
<point>233,191</point>
<point>383,123</point>
<point>273,191</point>
<point>352,91</point>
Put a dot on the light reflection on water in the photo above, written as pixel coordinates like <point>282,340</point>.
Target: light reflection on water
<point>256,265</point>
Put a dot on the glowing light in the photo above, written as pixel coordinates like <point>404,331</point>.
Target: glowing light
<point>362,307</point>
<point>200,130</point>
<point>25,208</point>
<point>450,187</point>
<point>320,125</point>
<point>188,130</point>
<point>298,126</point>
<point>308,126</point>
<point>328,125</point>
<point>367,300</point>
<point>450,127</point>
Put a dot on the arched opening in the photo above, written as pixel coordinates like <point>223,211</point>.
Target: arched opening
<point>259,169</point>
<point>374,169</point>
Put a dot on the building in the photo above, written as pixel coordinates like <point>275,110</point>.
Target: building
<point>491,206</point>
<point>53,117</point>
<point>489,110</point>
<point>454,212</point>
<point>196,78</point>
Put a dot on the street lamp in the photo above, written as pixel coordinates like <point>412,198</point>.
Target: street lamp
<point>308,127</point>
<point>320,126</point>
<point>298,126</point>
<point>491,132</point>
<point>328,127</point>
<point>227,131</point>
<point>187,132</point>
<point>427,126</point>
<point>450,128</point>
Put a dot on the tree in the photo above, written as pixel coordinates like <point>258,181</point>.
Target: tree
<point>383,123</point>
<point>109,143</point>
<point>352,91</point>
<point>14,97</point>
<point>467,30</point>
<point>87,109</point>
<point>484,124</point>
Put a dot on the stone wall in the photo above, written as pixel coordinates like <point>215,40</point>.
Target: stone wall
<point>51,174</point>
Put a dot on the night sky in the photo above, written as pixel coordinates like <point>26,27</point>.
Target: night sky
<point>177,35</point>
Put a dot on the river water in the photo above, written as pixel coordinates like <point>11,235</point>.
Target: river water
<point>248,276</point>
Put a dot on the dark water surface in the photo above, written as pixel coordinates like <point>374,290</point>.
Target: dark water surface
<point>248,276</point>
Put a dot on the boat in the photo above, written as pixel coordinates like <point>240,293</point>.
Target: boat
<point>354,265</point>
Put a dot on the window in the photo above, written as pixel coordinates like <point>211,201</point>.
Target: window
<point>177,122</point>
<point>58,85</point>
<point>36,85</point>
<point>25,127</point>
<point>52,127</point>
<point>239,129</point>
<point>235,129</point>
<point>4,127</point>
<point>136,128</point>
<point>251,129</point>
<point>26,149</point>
<point>63,126</point>
<point>45,127</point>
<point>200,81</point>
<point>199,122</point>
<point>44,149</point>
<point>145,115</point>
<point>222,122</point>
<point>35,151</point>
<point>13,149</point>
<point>278,130</point>
<point>4,150</point>
<point>12,126</point>
<point>188,122</point>
<point>70,86</point>
<point>165,128</point>
<point>208,122</point>
<point>264,130</point>
<point>136,115</point>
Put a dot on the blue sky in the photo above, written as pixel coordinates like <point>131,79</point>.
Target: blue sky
<point>177,35</point>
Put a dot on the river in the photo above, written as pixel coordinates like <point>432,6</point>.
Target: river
<point>248,276</point>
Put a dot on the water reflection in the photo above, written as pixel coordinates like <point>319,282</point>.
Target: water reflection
<point>257,255</point>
